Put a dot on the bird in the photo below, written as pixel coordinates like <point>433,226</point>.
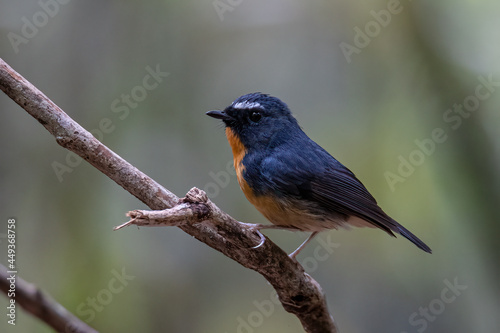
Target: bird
<point>295,183</point>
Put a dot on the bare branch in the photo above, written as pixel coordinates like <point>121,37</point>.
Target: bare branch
<point>172,217</point>
<point>42,306</point>
<point>299,293</point>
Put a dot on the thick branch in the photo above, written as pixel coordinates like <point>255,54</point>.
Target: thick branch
<point>42,306</point>
<point>298,292</point>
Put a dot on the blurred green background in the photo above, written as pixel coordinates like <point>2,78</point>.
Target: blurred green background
<point>368,80</point>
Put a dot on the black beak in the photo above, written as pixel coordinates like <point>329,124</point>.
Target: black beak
<point>218,115</point>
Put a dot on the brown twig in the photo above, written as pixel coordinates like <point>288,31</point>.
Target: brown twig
<point>299,293</point>
<point>42,306</point>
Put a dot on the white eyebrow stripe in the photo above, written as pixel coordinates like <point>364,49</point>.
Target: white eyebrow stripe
<point>246,105</point>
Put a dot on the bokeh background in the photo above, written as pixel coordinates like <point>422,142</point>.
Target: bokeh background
<point>365,79</point>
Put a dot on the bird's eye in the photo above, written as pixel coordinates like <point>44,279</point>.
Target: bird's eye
<point>255,116</point>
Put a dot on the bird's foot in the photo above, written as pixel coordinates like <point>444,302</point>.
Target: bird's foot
<point>256,228</point>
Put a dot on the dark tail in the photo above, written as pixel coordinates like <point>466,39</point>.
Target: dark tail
<point>411,237</point>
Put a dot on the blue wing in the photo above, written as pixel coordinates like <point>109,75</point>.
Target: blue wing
<point>316,176</point>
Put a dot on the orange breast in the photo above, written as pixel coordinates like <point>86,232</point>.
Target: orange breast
<point>269,207</point>
<point>239,152</point>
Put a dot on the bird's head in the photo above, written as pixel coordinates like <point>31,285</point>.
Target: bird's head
<point>257,120</point>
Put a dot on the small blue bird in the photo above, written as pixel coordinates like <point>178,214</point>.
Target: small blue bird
<point>290,179</point>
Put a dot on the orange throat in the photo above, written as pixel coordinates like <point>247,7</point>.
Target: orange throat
<point>239,152</point>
